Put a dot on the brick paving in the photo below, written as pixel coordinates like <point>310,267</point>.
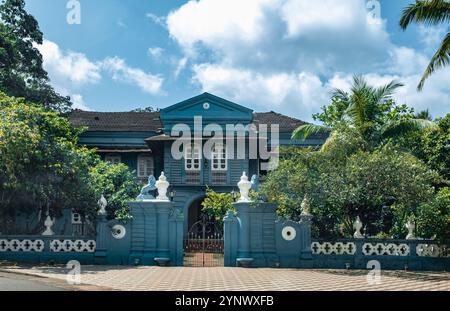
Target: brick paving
<point>220,279</point>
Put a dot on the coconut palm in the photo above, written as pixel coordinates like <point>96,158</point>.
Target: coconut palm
<point>362,115</point>
<point>431,12</point>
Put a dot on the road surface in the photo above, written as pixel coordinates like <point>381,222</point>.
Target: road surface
<point>16,282</point>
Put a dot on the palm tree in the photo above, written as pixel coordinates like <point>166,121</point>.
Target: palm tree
<point>431,12</point>
<point>364,103</point>
<point>424,114</point>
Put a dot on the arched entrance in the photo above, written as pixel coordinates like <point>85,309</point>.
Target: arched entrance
<point>203,243</point>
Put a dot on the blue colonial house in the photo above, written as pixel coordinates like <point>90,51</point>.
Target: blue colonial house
<point>143,141</point>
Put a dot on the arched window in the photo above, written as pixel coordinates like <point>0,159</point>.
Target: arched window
<point>145,166</point>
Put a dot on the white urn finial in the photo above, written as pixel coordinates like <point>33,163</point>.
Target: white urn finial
<point>48,226</point>
<point>357,225</point>
<point>306,207</point>
<point>102,203</point>
<point>244,187</point>
<point>162,185</point>
<point>411,226</point>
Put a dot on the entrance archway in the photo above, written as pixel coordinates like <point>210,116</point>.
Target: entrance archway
<point>203,244</point>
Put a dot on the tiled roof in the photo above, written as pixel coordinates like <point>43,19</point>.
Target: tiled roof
<point>116,121</point>
<point>150,121</point>
<point>286,124</point>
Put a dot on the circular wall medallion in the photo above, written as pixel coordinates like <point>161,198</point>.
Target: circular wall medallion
<point>206,106</point>
<point>288,233</point>
<point>118,232</point>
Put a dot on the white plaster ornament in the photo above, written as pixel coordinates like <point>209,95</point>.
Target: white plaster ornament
<point>306,207</point>
<point>244,187</point>
<point>162,185</point>
<point>102,203</point>
<point>289,233</point>
<point>49,222</point>
<point>411,226</point>
<point>357,225</point>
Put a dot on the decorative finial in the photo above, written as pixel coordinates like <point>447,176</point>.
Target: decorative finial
<point>244,188</point>
<point>357,225</point>
<point>146,191</point>
<point>306,207</point>
<point>411,226</point>
<point>162,185</point>
<point>49,222</point>
<point>102,203</point>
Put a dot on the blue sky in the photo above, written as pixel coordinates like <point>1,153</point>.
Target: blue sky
<point>281,55</point>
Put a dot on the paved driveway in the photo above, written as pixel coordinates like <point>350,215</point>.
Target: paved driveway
<point>218,279</point>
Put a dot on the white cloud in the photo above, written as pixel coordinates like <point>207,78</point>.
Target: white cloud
<point>181,64</point>
<point>120,71</point>
<point>289,54</point>
<point>158,20</point>
<point>155,52</point>
<point>431,36</point>
<point>303,91</point>
<point>70,71</point>
<point>78,102</point>
<point>70,66</point>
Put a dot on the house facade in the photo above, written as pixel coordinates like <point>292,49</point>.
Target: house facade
<point>145,142</point>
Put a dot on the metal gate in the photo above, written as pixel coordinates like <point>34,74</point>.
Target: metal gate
<point>203,246</point>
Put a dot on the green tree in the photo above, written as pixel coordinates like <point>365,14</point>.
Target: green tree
<point>369,111</point>
<point>21,70</point>
<point>118,185</point>
<point>342,183</point>
<point>41,166</point>
<point>431,12</point>
<point>433,217</point>
<point>217,204</point>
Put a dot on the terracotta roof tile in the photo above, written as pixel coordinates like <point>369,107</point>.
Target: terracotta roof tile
<point>150,121</point>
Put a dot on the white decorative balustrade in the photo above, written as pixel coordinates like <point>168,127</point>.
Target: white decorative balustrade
<point>385,249</point>
<point>26,245</point>
<point>431,250</point>
<point>79,246</point>
<point>337,248</point>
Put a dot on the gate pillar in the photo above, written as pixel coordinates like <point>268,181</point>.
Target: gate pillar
<point>230,236</point>
<point>156,233</point>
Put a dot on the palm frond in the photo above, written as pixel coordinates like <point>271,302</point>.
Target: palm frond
<point>403,127</point>
<point>307,130</point>
<point>340,94</point>
<point>439,60</point>
<point>430,12</point>
<point>386,91</point>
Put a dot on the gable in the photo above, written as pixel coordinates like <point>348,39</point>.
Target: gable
<point>211,108</point>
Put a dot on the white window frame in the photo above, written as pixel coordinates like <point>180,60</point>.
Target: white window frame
<point>193,152</point>
<point>219,158</point>
<point>147,169</point>
<point>113,158</point>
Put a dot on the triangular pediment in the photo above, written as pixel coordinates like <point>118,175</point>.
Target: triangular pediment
<point>210,107</point>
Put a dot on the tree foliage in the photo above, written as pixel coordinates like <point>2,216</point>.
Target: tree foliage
<point>430,12</point>
<point>21,64</point>
<point>42,168</point>
<point>382,187</point>
<point>216,204</point>
<point>119,186</point>
<point>369,111</point>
